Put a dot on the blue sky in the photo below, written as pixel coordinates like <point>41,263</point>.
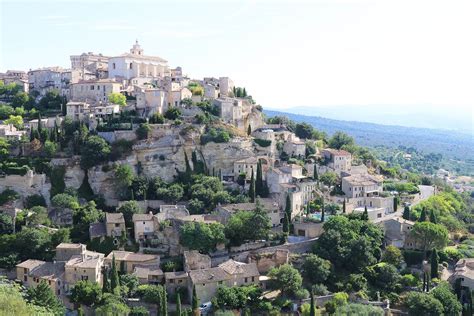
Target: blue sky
<point>287,53</point>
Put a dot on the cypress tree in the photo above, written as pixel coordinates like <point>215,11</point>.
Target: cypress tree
<point>470,310</point>
<point>249,130</point>
<point>164,303</point>
<point>114,278</point>
<point>433,217</point>
<point>395,203</point>
<point>323,211</point>
<point>424,281</point>
<point>288,206</point>
<point>259,180</point>
<point>105,281</point>
<point>315,172</point>
<point>406,213</point>
<point>422,216</point>
<point>244,93</point>
<point>252,188</point>
<point>344,206</point>
<point>195,302</point>
<point>434,264</point>
<point>365,215</point>
<point>286,224</point>
<point>312,311</point>
<point>179,311</point>
<point>428,280</point>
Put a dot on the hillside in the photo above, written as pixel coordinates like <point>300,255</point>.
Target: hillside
<point>451,145</point>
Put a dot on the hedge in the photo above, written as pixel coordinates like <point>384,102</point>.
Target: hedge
<point>262,142</point>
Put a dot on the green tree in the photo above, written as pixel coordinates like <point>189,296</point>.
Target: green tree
<point>312,309</point>
<point>344,206</point>
<point>143,131</point>
<point>423,217</point>
<point>130,282</point>
<point>365,215</point>
<point>117,98</point>
<point>50,148</point>
<point>179,311</point>
<point>195,303</point>
<point>392,255</point>
<point>151,294</point>
<point>315,173</point>
<point>252,191</point>
<point>112,305</point>
<point>316,270</point>
<point>164,304</point>
<point>42,295</point>
<point>329,178</point>
<point>261,223</point>
<point>286,224</point>
<point>105,281</point>
<point>304,130</point>
<point>173,113</point>
<point>340,139</point>
<point>15,120</point>
<point>406,213</point>
<point>13,303</point>
<point>124,176</point>
<point>434,264</point>
<point>129,208</point>
<point>433,217</point>
<point>429,235</point>
<point>423,304</point>
<point>94,151</point>
<point>286,279</point>
<point>448,299</point>
<point>140,311</point>
<point>259,180</point>
<point>86,292</point>
<point>114,278</point>
<point>201,236</point>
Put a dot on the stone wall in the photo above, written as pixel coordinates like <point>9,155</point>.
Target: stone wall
<point>26,185</point>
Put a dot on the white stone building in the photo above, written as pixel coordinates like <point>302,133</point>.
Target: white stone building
<point>135,64</point>
<point>338,160</point>
<point>94,91</point>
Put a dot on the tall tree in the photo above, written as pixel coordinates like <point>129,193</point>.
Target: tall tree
<point>315,172</point>
<point>323,211</point>
<point>429,235</point>
<point>259,180</point>
<point>286,223</point>
<point>249,130</point>
<point>424,282</point>
<point>406,213</point>
<point>312,311</point>
<point>434,264</point>
<point>422,216</point>
<point>344,206</point>
<point>195,303</point>
<point>114,278</point>
<point>396,200</point>
<point>179,311</point>
<point>433,217</point>
<point>252,188</point>
<point>164,304</point>
<point>42,295</point>
<point>365,216</point>
<point>105,280</point>
<point>288,207</point>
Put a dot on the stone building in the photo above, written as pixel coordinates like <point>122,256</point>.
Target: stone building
<point>94,91</point>
<point>136,64</point>
<point>127,261</point>
<point>338,160</point>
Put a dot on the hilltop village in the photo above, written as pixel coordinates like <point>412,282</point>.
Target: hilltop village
<point>128,188</point>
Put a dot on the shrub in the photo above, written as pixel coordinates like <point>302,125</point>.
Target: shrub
<point>413,257</point>
<point>262,142</point>
<point>34,200</point>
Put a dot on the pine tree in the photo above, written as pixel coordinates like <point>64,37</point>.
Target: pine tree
<point>365,215</point>
<point>249,130</point>
<point>105,280</point>
<point>395,203</point>
<point>406,213</point>
<point>434,264</point>
<point>114,277</point>
<point>244,93</point>
<point>252,188</point>
<point>179,311</point>
<point>195,302</point>
<point>422,216</point>
<point>344,206</point>
<point>42,295</point>
<point>312,311</point>
<point>259,180</point>
<point>428,280</point>
<point>433,217</point>
<point>288,207</point>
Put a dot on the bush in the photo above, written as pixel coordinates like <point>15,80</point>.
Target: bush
<point>262,142</point>
<point>413,257</point>
<point>7,196</point>
<point>34,200</point>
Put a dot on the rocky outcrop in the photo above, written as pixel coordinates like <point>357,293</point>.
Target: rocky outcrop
<point>29,184</point>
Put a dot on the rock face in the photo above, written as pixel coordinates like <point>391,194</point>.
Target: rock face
<point>26,185</point>
<point>74,174</point>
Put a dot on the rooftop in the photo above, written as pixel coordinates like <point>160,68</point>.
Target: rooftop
<point>337,152</point>
<point>131,256</point>
<point>362,179</point>
<point>114,218</point>
<point>142,217</point>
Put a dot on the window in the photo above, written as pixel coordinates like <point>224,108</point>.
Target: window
<point>113,65</point>
<point>49,282</point>
<point>117,225</point>
<point>131,66</point>
<point>25,270</point>
<point>25,278</point>
<point>92,87</point>
<point>171,281</point>
<point>253,279</point>
<point>84,277</point>
<point>246,280</point>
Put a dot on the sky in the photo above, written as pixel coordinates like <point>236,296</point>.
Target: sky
<point>286,53</point>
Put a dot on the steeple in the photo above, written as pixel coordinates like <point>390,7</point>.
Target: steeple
<point>136,49</point>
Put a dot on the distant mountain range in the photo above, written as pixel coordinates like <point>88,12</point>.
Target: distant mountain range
<point>450,144</point>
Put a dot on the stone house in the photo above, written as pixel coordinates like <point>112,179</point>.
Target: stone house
<point>397,232</point>
<point>337,160</point>
<point>85,266</point>
<point>294,147</point>
<point>308,230</point>
<point>150,274</point>
<point>271,207</point>
<point>464,270</point>
<point>176,280</point>
<point>127,261</point>
<point>275,177</point>
<point>94,91</point>
<point>115,224</point>
<point>10,132</point>
<point>193,260</point>
<point>32,272</point>
<point>230,273</point>
<point>230,110</point>
<point>144,226</point>
<point>78,111</point>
